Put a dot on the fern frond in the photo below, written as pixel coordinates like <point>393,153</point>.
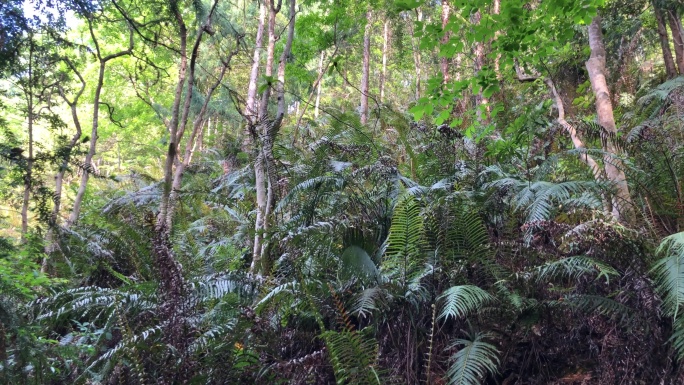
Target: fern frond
<point>215,333</point>
<point>574,268</point>
<point>474,361</point>
<point>601,305</point>
<point>368,301</point>
<point>459,301</point>
<point>405,243</point>
<point>669,273</point>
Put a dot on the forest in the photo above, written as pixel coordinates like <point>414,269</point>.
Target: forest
<point>341,192</point>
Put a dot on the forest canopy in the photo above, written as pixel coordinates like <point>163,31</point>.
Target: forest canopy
<point>341,192</point>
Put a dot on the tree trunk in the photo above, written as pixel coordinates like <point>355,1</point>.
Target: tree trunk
<point>366,66</point>
<point>87,163</point>
<point>576,140</point>
<point>385,49</point>
<point>51,241</point>
<point>444,61</point>
<point>596,66</point>
<point>670,69</point>
<point>260,163</point>
<point>264,166</point>
<point>315,90</point>
<point>319,85</point>
<point>677,37</point>
<point>28,175</point>
<point>496,9</point>
<point>190,144</point>
<point>482,103</point>
<point>179,120</point>
<point>250,104</point>
<point>416,51</point>
<point>173,125</point>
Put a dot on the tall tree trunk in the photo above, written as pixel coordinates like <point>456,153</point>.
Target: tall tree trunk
<point>478,64</point>
<point>417,65</point>
<point>264,166</point>
<point>250,104</point>
<point>444,61</point>
<point>179,119</point>
<point>319,85</point>
<point>191,143</point>
<point>173,123</point>
<point>596,66</point>
<point>272,132</point>
<point>677,37</point>
<point>315,90</point>
<point>366,66</point>
<point>385,51</point>
<point>261,163</point>
<point>51,241</point>
<point>88,162</point>
<point>670,69</point>
<point>496,9</point>
<point>28,175</point>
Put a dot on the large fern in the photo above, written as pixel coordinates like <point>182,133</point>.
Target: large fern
<point>668,273</point>
<point>405,245</point>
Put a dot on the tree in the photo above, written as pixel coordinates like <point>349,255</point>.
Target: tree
<point>102,60</point>
<point>596,66</point>
<point>670,68</point>
<point>365,73</point>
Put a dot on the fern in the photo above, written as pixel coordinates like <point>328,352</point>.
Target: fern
<point>406,240</point>
<point>574,268</point>
<point>473,361</point>
<point>601,305</point>
<point>368,301</point>
<point>459,301</point>
<point>668,273</point>
<point>354,355</point>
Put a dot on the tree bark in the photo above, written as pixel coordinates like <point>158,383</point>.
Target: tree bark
<point>596,66</point>
<point>250,105</point>
<point>570,129</point>
<point>677,37</point>
<point>366,66</point>
<point>385,49</point>
<point>670,69</point>
<point>314,91</point>
<point>260,163</point>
